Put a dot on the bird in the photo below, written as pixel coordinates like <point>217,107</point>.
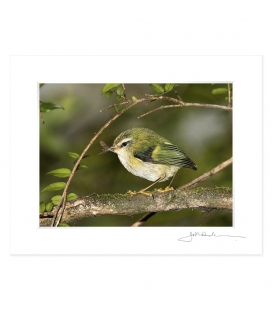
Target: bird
<point>148,155</point>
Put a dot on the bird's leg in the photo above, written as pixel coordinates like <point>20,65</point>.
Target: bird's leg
<point>143,191</point>
<point>167,188</point>
<point>159,179</point>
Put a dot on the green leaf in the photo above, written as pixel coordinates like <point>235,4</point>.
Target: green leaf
<point>54,187</point>
<point>133,98</point>
<point>219,91</point>
<point>62,224</point>
<point>108,93</point>
<point>49,207</point>
<point>61,173</point>
<point>73,155</point>
<point>49,106</point>
<point>42,207</point>
<point>108,87</point>
<point>157,88</point>
<point>71,196</point>
<point>81,166</point>
<point>118,98</point>
<point>120,90</point>
<point>169,87</point>
<point>56,199</point>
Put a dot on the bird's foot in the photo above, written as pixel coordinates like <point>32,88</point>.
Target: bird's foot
<point>145,193</point>
<point>131,192</point>
<point>140,192</point>
<point>167,189</point>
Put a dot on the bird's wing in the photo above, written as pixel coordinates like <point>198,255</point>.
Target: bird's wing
<point>145,153</point>
<point>165,153</point>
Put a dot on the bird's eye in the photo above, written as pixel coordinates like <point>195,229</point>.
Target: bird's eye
<point>124,143</point>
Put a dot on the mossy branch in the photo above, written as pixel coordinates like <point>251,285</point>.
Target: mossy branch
<point>127,204</point>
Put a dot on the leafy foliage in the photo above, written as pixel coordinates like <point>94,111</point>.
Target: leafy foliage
<point>120,90</point>
<point>108,87</point>
<point>159,89</point>
<point>42,207</point>
<point>81,166</point>
<point>49,207</point>
<point>62,224</point>
<point>169,87</point>
<point>71,196</point>
<point>49,106</point>
<point>54,187</point>
<point>61,173</point>
<point>56,199</point>
<point>73,155</point>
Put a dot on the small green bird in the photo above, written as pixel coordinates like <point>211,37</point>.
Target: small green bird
<point>148,155</point>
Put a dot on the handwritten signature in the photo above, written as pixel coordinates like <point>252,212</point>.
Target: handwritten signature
<point>204,234</point>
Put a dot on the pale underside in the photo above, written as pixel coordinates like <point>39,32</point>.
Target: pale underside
<point>149,171</point>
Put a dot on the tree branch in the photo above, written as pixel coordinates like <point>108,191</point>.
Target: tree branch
<point>198,105</point>
<point>178,104</point>
<point>202,178</point>
<point>206,175</point>
<point>127,204</point>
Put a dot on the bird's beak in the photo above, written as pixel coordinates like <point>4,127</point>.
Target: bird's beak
<point>112,149</point>
<point>105,148</point>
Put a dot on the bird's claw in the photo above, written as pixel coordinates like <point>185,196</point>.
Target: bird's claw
<point>167,189</point>
<point>140,192</point>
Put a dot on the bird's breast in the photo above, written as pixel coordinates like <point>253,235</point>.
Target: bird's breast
<point>147,170</point>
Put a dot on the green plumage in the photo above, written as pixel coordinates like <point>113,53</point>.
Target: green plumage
<point>151,147</point>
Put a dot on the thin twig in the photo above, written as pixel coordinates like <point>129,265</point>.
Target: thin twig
<point>143,219</point>
<point>177,94</point>
<point>208,174</point>
<point>61,210</point>
<point>200,105</point>
<point>125,97</point>
<point>179,104</point>
<point>123,103</point>
<point>229,97</point>
<point>56,219</point>
<point>191,184</point>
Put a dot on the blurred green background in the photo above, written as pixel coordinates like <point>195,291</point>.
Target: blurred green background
<point>204,134</point>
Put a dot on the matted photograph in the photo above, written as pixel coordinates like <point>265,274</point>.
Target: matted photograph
<point>127,163</point>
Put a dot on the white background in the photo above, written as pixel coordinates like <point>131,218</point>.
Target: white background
<point>27,239</point>
<point>125,282</point>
